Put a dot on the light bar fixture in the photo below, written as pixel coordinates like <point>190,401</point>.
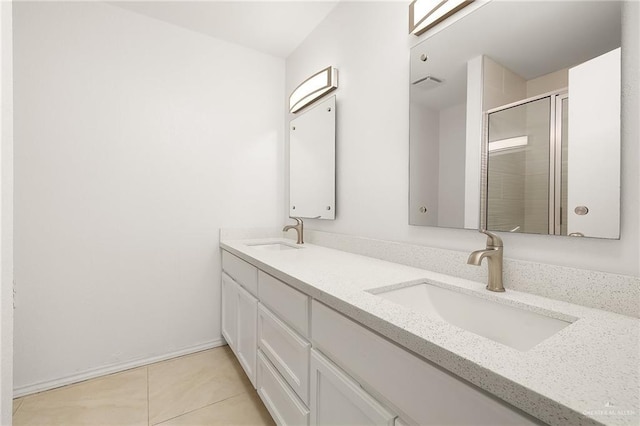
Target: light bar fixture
<point>424,14</point>
<point>313,88</point>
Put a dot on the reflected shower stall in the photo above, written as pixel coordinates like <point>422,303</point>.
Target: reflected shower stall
<point>526,166</point>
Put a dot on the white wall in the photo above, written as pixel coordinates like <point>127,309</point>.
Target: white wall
<point>135,142</point>
<point>6,213</point>
<point>368,42</point>
<point>424,167</point>
<point>372,113</point>
<point>473,153</point>
<point>451,179</point>
<point>594,114</point>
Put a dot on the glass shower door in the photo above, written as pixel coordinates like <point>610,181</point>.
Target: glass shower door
<point>518,168</point>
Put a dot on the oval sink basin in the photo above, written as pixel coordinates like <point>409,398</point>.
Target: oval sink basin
<point>518,328</point>
<point>273,246</point>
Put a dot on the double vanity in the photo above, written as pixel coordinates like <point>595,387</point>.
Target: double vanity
<point>328,336</point>
<point>331,337</point>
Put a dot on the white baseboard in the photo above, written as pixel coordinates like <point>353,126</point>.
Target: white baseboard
<point>113,368</point>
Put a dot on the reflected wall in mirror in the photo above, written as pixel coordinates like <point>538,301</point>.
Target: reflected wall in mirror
<point>312,146</point>
<point>489,94</point>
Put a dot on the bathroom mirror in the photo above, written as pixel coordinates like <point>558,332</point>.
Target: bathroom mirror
<point>312,146</point>
<point>489,95</point>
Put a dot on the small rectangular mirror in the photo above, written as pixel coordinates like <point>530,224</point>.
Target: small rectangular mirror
<point>312,167</point>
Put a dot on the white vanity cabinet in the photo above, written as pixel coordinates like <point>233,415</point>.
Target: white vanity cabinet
<point>312,365</point>
<point>298,385</point>
<point>421,392</point>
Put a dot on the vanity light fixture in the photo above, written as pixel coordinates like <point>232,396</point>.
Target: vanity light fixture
<point>424,14</point>
<point>313,88</point>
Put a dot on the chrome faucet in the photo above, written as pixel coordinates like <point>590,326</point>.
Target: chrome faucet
<point>493,253</point>
<point>299,227</point>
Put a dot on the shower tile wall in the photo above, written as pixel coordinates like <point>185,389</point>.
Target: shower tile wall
<point>548,83</point>
<point>501,86</point>
<point>506,192</point>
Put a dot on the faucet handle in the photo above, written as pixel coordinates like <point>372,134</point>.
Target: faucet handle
<point>492,239</point>
<point>297,219</point>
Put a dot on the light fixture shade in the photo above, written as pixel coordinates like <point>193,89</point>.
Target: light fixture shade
<point>313,88</point>
<point>424,14</point>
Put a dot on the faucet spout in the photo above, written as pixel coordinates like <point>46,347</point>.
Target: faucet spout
<point>299,227</point>
<point>493,254</point>
<point>475,258</point>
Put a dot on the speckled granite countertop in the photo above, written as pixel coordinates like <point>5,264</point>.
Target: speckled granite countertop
<point>587,373</point>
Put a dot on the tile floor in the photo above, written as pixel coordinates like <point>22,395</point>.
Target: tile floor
<point>205,388</point>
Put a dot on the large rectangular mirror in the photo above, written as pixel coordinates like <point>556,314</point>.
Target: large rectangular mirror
<point>312,169</point>
<point>515,120</point>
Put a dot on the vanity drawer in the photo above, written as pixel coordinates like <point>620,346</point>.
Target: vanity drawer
<point>280,400</point>
<point>242,272</point>
<point>288,352</point>
<point>423,392</point>
<point>285,301</point>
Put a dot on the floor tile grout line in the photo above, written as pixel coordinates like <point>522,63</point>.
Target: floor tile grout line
<point>200,408</point>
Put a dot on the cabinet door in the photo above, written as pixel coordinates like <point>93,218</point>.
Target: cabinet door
<point>229,311</point>
<point>336,399</point>
<point>246,340</point>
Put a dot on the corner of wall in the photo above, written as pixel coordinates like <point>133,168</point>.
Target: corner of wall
<point>6,212</point>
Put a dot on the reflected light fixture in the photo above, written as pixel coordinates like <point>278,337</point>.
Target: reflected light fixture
<point>313,88</point>
<point>425,14</point>
<point>508,144</point>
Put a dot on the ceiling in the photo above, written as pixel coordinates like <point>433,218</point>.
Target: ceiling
<point>272,27</point>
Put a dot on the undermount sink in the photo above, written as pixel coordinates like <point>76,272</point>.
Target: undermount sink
<point>273,246</point>
<point>518,328</point>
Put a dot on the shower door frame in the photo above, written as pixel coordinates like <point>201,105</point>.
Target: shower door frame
<point>555,158</point>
